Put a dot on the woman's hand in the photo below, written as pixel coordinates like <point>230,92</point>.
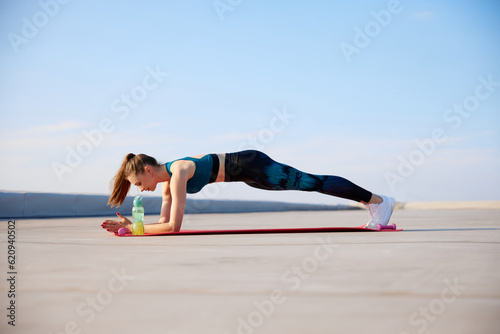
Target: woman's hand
<point>114,225</point>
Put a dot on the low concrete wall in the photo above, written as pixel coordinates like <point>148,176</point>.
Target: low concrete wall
<point>46,205</point>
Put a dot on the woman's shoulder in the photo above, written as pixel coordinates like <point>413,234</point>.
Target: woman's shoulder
<point>182,166</point>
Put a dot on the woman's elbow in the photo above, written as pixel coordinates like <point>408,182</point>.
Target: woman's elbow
<point>174,227</point>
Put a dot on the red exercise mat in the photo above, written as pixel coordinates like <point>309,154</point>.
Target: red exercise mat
<point>264,230</point>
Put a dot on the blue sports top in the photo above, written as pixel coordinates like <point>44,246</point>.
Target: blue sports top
<point>204,173</point>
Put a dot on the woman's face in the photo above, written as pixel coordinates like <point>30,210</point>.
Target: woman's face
<point>144,181</point>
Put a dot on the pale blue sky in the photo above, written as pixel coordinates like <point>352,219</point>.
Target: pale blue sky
<point>66,68</point>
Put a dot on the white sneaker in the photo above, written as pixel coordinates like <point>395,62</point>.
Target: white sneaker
<point>380,213</point>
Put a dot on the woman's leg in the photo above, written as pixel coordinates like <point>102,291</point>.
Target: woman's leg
<point>260,171</point>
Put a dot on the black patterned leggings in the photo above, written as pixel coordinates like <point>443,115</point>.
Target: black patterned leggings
<point>260,171</point>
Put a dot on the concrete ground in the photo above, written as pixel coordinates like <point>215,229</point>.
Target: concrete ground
<point>440,275</point>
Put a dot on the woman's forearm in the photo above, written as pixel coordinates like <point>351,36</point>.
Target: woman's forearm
<point>156,228</point>
<point>164,226</point>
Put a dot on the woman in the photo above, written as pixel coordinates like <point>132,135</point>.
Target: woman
<point>191,174</point>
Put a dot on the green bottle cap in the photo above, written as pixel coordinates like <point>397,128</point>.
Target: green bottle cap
<point>138,200</point>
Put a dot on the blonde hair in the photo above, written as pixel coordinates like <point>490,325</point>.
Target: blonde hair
<point>131,164</point>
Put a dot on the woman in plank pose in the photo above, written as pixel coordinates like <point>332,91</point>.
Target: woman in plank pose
<point>191,174</point>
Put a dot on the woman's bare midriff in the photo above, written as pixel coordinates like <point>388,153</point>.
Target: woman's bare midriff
<point>222,167</point>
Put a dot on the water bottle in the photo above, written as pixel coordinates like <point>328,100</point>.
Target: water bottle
<point>138,216</point>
